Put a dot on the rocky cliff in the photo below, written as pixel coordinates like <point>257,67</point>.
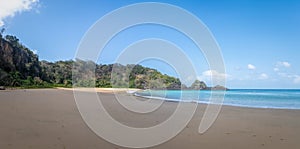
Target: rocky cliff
<point>17,58</point>
<point>16,62</point>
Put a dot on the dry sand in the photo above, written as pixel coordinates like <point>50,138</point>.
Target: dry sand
<point>49,119</point>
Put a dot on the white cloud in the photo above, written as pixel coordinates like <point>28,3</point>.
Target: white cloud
<point>207,75</point>
<point>283,64</point>
<point>293,77</point>
<point>8,8</point>
<point>263,76</point>
<point>285,74</point>
<point>251,67</point>
<point>297,79</point>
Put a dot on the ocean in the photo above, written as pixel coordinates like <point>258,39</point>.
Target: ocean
<point>256,98</point>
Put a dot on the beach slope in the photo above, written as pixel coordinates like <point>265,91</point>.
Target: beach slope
<point>49,119</point>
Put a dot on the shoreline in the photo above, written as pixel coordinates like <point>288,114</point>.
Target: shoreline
<point>133,90</point>
<point>223,104</point>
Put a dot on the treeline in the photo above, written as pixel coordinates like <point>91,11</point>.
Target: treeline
<point>86,73</point>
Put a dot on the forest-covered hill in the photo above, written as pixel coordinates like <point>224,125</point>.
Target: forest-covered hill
<point>20,67</point>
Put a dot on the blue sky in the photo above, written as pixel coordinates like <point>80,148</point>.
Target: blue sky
<point>259,39</point>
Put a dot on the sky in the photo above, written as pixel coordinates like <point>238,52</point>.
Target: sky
<point>259,40</point>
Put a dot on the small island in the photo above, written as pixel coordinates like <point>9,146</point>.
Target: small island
<point>200,85</point>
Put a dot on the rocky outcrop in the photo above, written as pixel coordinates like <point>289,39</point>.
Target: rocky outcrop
<point>18,58</point>
<point>217,87</point>
<point>198,85</point>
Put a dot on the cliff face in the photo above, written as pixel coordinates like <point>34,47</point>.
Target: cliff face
<point>17,58</point>
<point>6,56</point>
<point>16,61</point>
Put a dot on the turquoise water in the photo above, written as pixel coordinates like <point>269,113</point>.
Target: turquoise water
<point>257,98</point>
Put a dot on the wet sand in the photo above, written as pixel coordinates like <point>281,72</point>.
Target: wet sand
<point>49,119</point>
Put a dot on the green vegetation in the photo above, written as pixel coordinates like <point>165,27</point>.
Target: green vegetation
<point>20,67</point>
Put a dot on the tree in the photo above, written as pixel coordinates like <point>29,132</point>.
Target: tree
<point>15,79</point>
<point>13,40</point>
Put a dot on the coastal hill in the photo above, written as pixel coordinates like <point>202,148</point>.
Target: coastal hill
<point>16,61</point>
<point>20,67</point>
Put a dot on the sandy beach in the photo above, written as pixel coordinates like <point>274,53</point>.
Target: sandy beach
<point>49,119</point>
